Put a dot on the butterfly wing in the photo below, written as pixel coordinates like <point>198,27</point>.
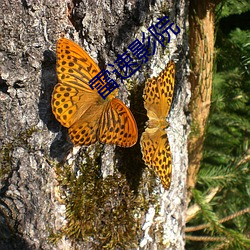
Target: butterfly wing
<point>117,125</point>
<point>85,130</point>
<point>72,96</point>
<point>75,68</point>
<point>156,154</point>
<point>158,93</point>
<point>81,109</point>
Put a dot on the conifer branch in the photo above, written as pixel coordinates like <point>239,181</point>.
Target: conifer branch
<point>194,209</point>
<point>230,217</point>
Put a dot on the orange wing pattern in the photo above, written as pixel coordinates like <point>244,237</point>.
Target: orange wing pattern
<point>118,125</point>
<point>158,93</point>
<point>81,109</point>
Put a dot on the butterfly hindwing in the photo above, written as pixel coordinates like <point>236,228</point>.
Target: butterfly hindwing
<point>118,125</point>
<point>156,154</point>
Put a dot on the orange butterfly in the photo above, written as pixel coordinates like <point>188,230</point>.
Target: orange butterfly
<point>158,93</point>
<point>76,106</point>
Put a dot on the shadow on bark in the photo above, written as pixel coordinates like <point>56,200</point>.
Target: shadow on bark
<point>61,145</point>
<point>9,239</point>
<point>130,159</point>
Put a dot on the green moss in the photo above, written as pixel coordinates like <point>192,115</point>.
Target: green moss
<point>28,133</point>
<point>19,140</point>
<point>131,84</point>
<point>105,212</point>
<point>5,161</point>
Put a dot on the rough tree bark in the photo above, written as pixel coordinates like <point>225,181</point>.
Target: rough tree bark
<point>37,160</point>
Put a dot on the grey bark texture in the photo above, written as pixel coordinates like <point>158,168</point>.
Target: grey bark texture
<point>32,142</point>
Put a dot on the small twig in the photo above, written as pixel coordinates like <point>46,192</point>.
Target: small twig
<point>205,238</point>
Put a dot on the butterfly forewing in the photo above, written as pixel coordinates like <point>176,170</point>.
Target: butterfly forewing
<point>74,66</point>
<point>158,92</point>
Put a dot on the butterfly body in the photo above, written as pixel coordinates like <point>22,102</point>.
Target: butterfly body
<point>88,117</point>
<point>158,93</point>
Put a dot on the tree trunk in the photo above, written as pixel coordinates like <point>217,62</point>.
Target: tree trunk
<point>54,196</point>
<point>201,40</point>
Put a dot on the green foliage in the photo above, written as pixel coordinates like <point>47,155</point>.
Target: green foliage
<point>207,211</point>
<point>230,7</point>
<point>226,155</point>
